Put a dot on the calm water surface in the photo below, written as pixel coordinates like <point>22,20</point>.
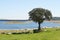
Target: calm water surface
<point>25,24</point>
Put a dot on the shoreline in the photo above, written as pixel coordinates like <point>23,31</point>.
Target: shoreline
<point>5,31</point>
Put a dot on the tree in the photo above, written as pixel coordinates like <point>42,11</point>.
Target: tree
<point>39,15</point>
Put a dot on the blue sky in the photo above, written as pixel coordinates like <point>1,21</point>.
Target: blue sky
<point>18,9</point>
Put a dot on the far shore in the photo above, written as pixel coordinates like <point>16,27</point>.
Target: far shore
<point>54,21</point>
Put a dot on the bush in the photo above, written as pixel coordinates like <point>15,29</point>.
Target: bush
<point>3,33</point>
<point>35,31</point>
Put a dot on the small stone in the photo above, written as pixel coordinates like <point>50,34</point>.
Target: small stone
<point>9,33</point>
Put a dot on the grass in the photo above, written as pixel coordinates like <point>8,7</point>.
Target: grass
<point>50,34</point>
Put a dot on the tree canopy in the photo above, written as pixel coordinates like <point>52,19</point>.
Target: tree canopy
<point>38,14</point>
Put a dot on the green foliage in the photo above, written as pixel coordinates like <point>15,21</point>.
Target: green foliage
<point>39,14</point>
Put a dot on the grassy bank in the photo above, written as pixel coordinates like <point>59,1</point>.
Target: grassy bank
<point>50,34</point>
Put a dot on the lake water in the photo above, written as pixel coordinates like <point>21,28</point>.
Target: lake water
<point>25,24</point>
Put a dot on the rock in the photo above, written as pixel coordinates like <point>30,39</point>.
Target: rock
<point>9,33</point>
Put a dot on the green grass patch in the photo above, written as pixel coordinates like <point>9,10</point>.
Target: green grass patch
<point>50,34</point>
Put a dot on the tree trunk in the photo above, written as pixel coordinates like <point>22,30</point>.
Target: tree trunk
<point>39,28</point>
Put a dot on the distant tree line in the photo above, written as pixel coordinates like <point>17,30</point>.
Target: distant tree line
<point>56,18</point>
